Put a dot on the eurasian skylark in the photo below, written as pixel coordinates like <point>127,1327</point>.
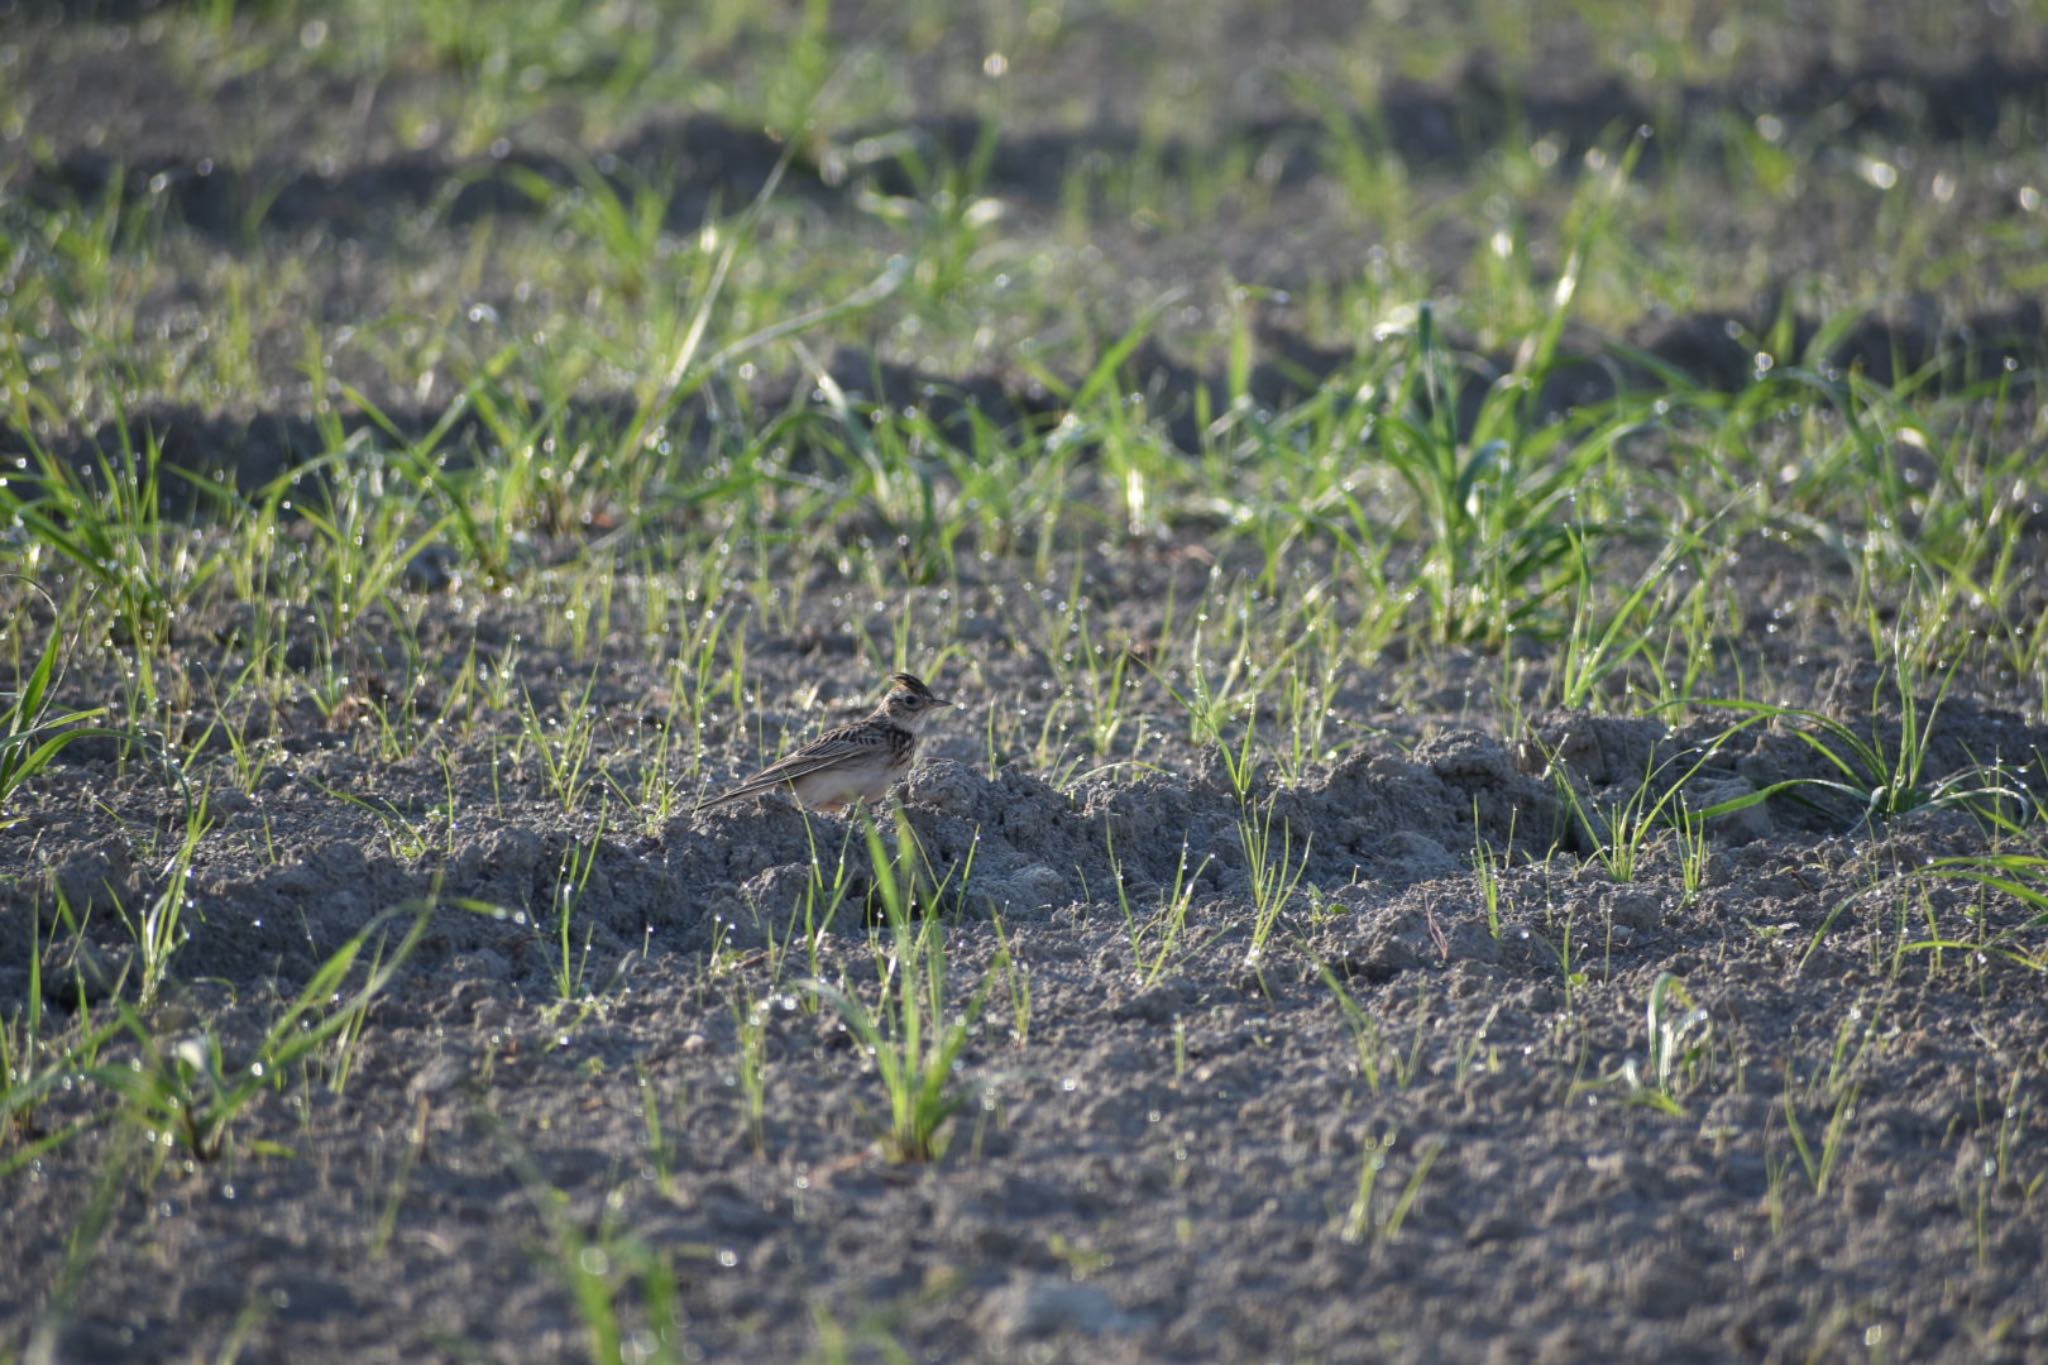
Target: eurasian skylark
<point>857,762</point>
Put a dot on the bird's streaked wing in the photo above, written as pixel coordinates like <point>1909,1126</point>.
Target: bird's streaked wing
<point>832,747</point>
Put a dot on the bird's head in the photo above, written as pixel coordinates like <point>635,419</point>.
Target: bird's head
<point>909,702</point>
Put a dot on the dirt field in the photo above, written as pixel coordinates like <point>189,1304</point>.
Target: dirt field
<point>1335,977</point>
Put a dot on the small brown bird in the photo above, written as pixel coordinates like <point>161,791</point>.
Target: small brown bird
<point>857,762</point>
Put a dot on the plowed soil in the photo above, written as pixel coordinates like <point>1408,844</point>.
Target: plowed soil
<point>1411,1118</point>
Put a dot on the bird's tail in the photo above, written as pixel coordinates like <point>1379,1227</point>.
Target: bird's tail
<point>725,798</point>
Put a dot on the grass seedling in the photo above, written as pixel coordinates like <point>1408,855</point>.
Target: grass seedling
<point>1621,833</point>
<point>750,1026</point>
<point>160,930</point>
<point>31,1066</point>
<point>1838,1088</point>
<point>114,534</point>
<point>660,1150</point>
<point>1156,942</point>
<point>21,1039</point>
<point>614,1277</point>
<point>32,732</point>
<point>1486,866</point>
<point>1365,1030</point>
<point>1211,703</point>
<point>824,895</point>
<point>2023,877</point>
<point>579,861</point>
<point>1819,1165</point>
<point>1565,950</point>
<point>1678,1033</point>
<point>1594,652</point>
<point>1275,875</point>
<point>401,1183</point>
<point>1360,1221</point>
<point>565,745</point>
<point>1689,832</point>
<point>1016,977</point>
<point>1883,781</point>
<point>129,1151</point>
<point>189,1090</point>
<point>914,1037</point>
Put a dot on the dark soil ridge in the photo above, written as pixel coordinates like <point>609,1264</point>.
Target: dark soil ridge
<point>1716,351</point>
<point>713,162</point>
<point>1449,126</point>
<point>1020,847</point>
